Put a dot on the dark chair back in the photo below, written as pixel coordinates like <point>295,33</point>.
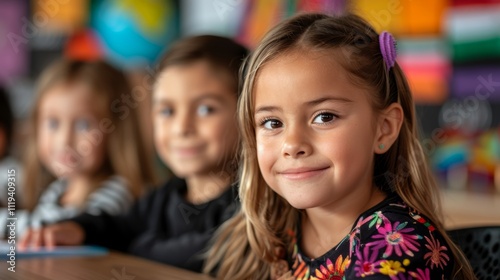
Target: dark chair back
<point>481,245</point>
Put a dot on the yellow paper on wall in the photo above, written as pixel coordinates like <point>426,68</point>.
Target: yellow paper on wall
<point>59,16</point>
<point>383,14</point>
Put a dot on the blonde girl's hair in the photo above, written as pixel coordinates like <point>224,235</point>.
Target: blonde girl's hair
<point>125,148</point>
<point>245,246</point>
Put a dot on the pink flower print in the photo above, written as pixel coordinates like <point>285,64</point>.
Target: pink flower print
<point>353,240</point>
<point>395,238</point>
<point>401,205</point>
<point>436,257</point>
<point>365,263</point>
<point>421,274</point>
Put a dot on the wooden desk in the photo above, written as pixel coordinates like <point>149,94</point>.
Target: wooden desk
<point>114,266</point>
<point>468,209</point>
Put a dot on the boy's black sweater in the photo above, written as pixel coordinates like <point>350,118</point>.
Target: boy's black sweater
<point>162,226</point>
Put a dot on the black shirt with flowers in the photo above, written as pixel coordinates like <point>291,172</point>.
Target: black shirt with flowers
<point>388,241</point>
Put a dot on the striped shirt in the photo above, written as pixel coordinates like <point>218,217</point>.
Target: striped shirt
<point>112,197</point>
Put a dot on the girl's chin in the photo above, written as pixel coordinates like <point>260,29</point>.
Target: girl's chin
<point>68,173</point>
<point>301,204</point>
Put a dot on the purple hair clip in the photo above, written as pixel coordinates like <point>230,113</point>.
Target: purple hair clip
<point>388,48</point>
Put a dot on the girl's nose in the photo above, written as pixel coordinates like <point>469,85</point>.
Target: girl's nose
<point>296,143</point>
<point>64,136</point>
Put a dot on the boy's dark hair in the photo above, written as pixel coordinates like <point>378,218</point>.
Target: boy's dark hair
<point>221,53</point>
<point>6,119</point>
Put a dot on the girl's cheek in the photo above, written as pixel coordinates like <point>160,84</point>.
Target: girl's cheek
<point>264,153</point>
<point>260,148</point>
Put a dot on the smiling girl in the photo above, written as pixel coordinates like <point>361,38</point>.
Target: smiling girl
<point>76,158</point>
<point>334,183</point>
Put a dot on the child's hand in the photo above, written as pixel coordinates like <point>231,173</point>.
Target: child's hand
<point>65,233</point>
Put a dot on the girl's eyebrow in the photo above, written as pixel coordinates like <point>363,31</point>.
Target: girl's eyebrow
<point>308,103</point>
<point>157,101</point>
<point>267,109</point>
<point>329,98</point>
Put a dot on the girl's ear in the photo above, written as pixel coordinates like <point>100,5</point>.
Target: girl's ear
<point>388,127</point>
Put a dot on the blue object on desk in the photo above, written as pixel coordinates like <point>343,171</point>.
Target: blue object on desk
<point>58,251</point>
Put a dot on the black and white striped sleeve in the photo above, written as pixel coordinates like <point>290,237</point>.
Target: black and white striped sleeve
<point>113,198</point>
<point>48,209</point>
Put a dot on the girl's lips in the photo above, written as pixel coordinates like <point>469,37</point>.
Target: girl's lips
<point>67,159</point>
<point>302,173</point>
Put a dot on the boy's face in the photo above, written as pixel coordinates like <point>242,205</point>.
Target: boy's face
<point>315,132</point>
<point>194,113</point>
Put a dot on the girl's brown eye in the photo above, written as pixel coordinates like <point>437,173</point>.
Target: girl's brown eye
<point>272,124</point>
<point>324,118</point>
<point>275,124</point>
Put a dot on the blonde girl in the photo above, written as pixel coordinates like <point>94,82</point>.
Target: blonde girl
<point>84,154</point>
<point>334,184</point>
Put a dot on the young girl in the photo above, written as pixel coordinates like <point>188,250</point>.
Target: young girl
<point>343,190</point>
<point>83,155</point>
<point>196,135</point>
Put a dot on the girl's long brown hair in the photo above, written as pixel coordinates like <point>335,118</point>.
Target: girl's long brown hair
<point>245,246</point>
<point>126,154</point>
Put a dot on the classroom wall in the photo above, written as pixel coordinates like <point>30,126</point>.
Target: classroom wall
<point>449,49</point>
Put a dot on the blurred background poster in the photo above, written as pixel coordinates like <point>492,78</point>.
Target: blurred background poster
<point>13,46</point>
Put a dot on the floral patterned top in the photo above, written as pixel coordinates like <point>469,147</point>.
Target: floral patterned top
<point>389,241</point>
